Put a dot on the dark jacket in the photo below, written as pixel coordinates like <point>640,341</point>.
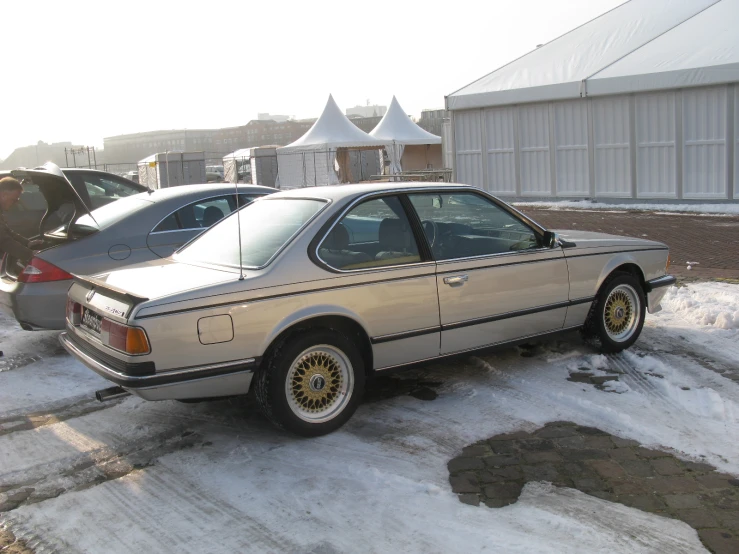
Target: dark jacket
<point>13,243</point>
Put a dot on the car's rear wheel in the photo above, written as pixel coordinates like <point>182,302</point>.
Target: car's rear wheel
<point>617,316</point>
<point>312,383</point>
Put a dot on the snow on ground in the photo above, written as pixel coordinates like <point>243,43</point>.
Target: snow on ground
<point>380,484</point>
<point>673,209</point>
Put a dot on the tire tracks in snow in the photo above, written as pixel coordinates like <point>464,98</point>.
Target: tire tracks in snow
<point>74,473</point>
<point>22,420</point>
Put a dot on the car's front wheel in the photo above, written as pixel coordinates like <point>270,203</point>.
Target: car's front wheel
<point>617,316</point>
<point>311,384</point>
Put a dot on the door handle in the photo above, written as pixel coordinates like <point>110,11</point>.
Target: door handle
<point>456,280</point>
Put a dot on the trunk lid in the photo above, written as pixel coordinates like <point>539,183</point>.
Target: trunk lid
<point>56,189</point>
<point>161,278</point>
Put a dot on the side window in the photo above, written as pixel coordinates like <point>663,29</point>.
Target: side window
<point>375,233</point>
<point>462,225</point>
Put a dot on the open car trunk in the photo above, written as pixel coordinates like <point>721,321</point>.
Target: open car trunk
<point>59,222</point>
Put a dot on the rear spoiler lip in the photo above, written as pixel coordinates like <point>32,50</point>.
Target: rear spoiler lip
<point>113,291</point>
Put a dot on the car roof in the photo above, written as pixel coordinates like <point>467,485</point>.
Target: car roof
<point>340,192</point>
<point>161,195</point>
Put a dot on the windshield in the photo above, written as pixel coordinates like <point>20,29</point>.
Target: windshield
<point>266,226</point>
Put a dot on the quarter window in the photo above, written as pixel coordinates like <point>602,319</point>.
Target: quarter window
<point>462,225</point>
<point>375,233</point>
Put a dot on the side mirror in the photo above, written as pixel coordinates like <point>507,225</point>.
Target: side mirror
<point>550,239</point>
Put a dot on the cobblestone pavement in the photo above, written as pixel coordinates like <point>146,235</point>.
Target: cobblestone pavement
<point>712,242</point>
<point>494,471</point>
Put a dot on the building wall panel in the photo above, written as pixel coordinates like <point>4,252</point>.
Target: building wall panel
<point>704,135</point>
<point>571,148</point>
<point>500,156</point>
<point>468,143</point>
<point>655,149</point>
<point>612,146</point>
<point>535,150</point>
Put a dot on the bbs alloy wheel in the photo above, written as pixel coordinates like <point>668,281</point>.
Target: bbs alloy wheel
<point>319,383</point>
<point>621,313</point>
<point>617,315</point>
<point>311,383</point>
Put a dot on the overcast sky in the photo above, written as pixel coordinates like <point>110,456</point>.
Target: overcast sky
<point>84,70</point>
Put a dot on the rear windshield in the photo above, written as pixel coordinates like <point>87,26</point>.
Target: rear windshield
<point>266,226</point>
<point>113,212</point>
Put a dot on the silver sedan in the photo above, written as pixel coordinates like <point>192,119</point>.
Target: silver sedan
<point>305,293</point>
<point>134,229</point>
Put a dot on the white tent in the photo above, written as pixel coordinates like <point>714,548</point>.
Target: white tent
<point>560,68</point>
<point>397,131</point>
<point>322,155</point>
<point>641,102</point>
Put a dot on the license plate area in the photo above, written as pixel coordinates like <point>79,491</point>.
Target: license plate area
<point>91,321</point>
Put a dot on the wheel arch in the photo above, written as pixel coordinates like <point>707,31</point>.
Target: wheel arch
<point>623,263</point>
<point>334,319</point>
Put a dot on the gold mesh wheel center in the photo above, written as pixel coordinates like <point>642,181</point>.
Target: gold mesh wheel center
<point>316,382</point>
<point>618,312</point>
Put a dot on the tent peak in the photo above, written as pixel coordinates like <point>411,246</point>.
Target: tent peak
<point>396,127</point>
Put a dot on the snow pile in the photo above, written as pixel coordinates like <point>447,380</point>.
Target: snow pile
<point>674,209</point>
<point>713,304</point>
<point>679,389</point>
<point>616,386</point>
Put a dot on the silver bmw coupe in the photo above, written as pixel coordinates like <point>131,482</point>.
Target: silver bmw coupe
<point>305,293</point>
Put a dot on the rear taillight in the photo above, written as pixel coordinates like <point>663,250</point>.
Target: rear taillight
<point>131,340</point>
<point>39,271</point>
<point>74,311</point>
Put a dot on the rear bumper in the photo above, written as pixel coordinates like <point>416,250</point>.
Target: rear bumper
<point>222,379</point>
<point>656,290</point>
<point>35,305</point>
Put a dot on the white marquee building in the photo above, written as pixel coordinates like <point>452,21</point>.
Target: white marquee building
<point>641,102</point>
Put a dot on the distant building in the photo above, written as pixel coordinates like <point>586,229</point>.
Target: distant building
<point>367,111</point>
<point>215,142</point>
<point>277,118</point>
<point>38,154</point>
<point>137,146</point>
<point>365,123</point>
<point>432,120</point>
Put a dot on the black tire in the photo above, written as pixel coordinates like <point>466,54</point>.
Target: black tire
<point>289,411</point>
<point>609,325</point>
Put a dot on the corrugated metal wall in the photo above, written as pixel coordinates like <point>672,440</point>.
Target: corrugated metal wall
<point>656,157</point>
<point>672,145</point>
<point>468,144</point>
<point>611,127</point>
<point>704,136</point>
<point>534,144</point>
<point>571,148</point>
<point>501,144</point>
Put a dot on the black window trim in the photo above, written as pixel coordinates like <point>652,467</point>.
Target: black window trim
<point>417,227</point>
<point>537,229</point>
<point>423,251</point>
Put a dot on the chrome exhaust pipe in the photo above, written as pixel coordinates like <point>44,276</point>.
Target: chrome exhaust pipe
<point>111,393</point>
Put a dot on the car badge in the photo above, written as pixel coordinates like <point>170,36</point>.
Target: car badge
<point>90,295</point>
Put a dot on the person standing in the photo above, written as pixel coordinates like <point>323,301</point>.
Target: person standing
<point>10,241</point>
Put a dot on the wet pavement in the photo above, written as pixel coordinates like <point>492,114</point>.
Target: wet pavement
<point>494,471</point>
<point>710,243</point>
